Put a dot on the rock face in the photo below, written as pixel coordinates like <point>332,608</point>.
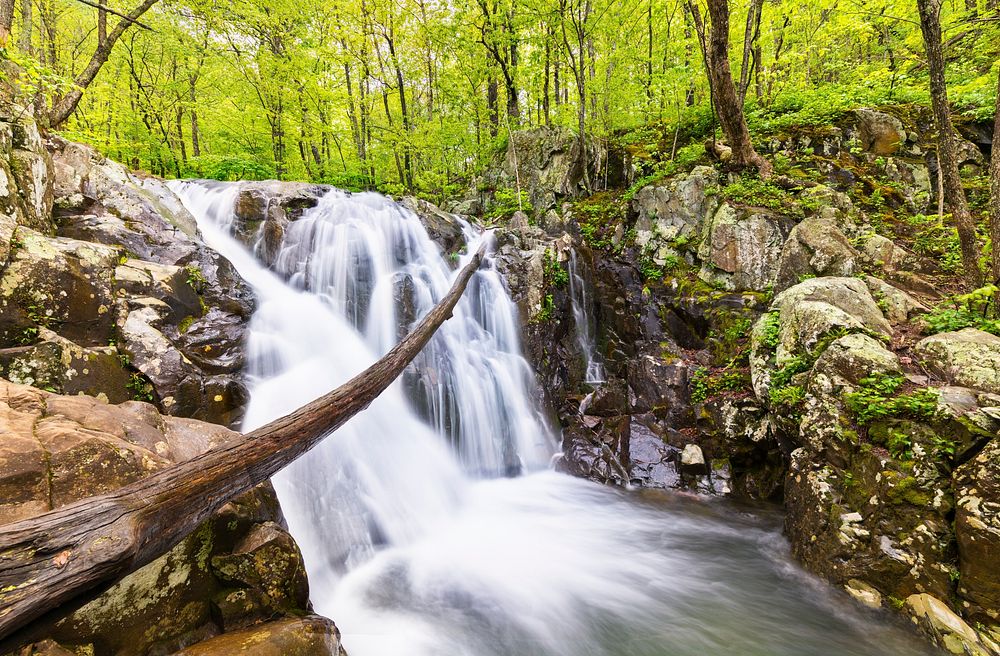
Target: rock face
<point>117,295</point>
<point>546,163</point>
<point>239,569</point>
<point>968,357</point>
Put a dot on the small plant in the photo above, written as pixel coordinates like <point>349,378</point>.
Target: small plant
<point>878,397</point>
<point>753,191</point>
<point>554,271</point>
<point>506,202</point>
<point>547,311</point>
<point>139,388</point>
<point>977,309</point>
<point>195,278</point>
<point>705,383</point>
<point>771,330</point>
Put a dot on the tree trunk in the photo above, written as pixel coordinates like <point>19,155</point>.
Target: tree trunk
<point>728,107</point>
<point>24,42</point>
<point>67,104</point>
<point>995,194</point>
<point>930,26</point>
<point>49,560</point>
<point>6,21</point>
<point>195,132</point>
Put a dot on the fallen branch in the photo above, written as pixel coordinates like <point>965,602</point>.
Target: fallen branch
<point>49,561</point>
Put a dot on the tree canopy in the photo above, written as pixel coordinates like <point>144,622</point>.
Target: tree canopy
<point>418,94</point>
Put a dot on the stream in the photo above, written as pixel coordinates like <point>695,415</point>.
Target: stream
<point>433,524</point>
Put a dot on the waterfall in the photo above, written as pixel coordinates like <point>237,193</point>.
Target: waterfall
<point>585,321</point>
<point>430,524</point>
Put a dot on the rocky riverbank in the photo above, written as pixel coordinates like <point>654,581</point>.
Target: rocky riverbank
<point>783,341</point>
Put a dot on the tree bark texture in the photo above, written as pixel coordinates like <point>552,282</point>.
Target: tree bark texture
<point>930,26</point>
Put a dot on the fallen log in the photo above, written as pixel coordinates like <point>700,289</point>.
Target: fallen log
<point>49,561</point>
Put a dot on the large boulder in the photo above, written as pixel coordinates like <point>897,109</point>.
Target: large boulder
<point>676,208</point>
<point>968,357</point>
<point>741,247</point>
<point>816,247</point>
<point>977,525</point>
<point>879,133</point>
<point>305,636</point>
<point>239,568</point>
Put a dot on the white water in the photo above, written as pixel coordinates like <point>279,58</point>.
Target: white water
<point>413,542</point>
<point>585,322</point>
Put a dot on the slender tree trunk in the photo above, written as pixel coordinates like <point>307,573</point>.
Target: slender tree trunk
<point>102,22</point>
<point>492,100</point>
<point>728,108</point>
<point>545,83</point>
<point>6,21</point>
<point>50,560</point>
<point>750,36</point>
<point>930,26</point>
<point>65,106</point>
<point>24,42</point>
<point>995,194</point>
<point>195,132</point>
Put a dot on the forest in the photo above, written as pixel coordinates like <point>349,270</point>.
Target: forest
<point>418,95</point>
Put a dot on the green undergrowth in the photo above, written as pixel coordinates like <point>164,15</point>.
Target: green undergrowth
<point>977,309</point>
<point>881,397</point>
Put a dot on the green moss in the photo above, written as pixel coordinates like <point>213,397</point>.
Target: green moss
<point>185,323</point>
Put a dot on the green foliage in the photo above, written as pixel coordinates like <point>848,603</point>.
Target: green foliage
<point>553,270</point>
<point>934,237</point>
<point>228,168</point>
<point>195,278</point>
<point>140,389</point>
<point>598,216</point>
<point>547,311</point>
<point>977,309</point>
<point>771,330</point>
<point>750,190</point>
<point>506,202</point>
<point>706,383</point>
<point>879,397</point>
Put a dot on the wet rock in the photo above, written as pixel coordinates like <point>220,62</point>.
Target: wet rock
<point>741,247</point>
<point>651,460</point>
<point>306,636</point>
<point>693,460</point>
<point>969,357</point>
<point>443,228</point>
<point>263,211</point>
<point>864,593</point>
<point>977,526</point>
<point>948,629</point>
<point>815,247</point>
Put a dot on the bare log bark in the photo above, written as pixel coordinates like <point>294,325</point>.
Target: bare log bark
<point>930,26</point>
<point>49,560</point>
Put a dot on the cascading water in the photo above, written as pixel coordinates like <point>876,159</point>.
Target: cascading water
<point>585,321</point>
<point>413,541</point>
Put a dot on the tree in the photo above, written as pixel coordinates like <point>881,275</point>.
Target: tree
<point>64,106</point>
<point>995,193</point>
<point>725,98</point>
<point>48,561</point>
<point>930,27</point>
